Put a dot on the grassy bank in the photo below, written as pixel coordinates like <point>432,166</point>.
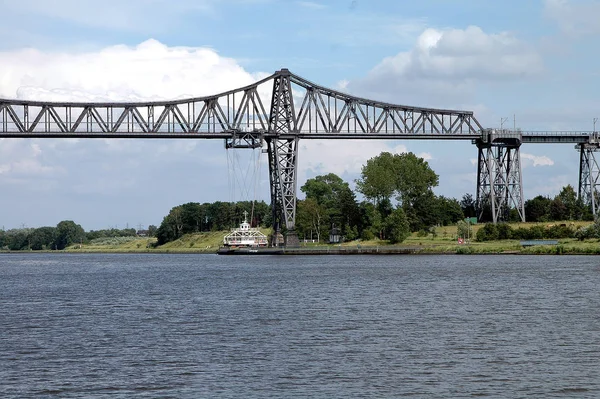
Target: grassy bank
<point>443,242</point>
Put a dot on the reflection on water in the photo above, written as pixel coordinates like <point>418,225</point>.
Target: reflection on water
<point>190,326</point>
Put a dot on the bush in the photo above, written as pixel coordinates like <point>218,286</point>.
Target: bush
<point>521,233</point>
<point>367,235</point>
<point>489,232</point>
<point>586,232</point>
<point>559,231</point>
<point>536,232</point>
<point>504,231</point>
<point>396,226</point>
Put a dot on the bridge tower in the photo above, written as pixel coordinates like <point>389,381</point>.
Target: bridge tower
<point>283,160</point>
<point>589,172</point>
<point>499,181</point>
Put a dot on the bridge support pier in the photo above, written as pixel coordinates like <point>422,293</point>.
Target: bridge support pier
<point>589,172</point>
<point>283,160</point>
<point>499,181</point>
<point>283,156</point>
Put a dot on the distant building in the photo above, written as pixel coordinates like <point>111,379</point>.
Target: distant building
<point>335,236</point>
<point>142,233</point>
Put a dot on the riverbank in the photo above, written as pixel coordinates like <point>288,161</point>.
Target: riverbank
<point>413,245</point>
<point>444,242</point>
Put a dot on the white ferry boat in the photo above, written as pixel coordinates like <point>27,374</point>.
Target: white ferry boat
<point>245,236</point>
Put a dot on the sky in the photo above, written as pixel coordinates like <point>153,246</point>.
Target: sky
<point>525,64</point>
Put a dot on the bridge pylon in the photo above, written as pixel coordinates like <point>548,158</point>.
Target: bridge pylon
<point>283,160</point>
<point>499,179</point>
<point>589,172</point>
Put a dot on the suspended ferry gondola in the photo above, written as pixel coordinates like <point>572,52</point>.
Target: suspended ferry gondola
<point>246,240</point>
<point>245,236</point>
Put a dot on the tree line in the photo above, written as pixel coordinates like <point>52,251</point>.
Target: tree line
<point>397,199</point>
<point>66,233</point>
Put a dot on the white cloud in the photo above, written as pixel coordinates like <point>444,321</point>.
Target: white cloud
<point>464,55</point>
<point>150,70</point>
<point>22,158</point>
<point>342,84</point>
<point>535,160</point>
<point>574,18</point>
<point>444,66</point>
<point>425,155</point>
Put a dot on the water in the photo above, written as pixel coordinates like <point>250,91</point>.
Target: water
<point>192,326</point>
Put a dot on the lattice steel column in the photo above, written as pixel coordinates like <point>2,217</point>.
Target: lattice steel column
<point>588,175</point>
<point>499,181</point>
<point>283,160</point>
<point>484,179</point>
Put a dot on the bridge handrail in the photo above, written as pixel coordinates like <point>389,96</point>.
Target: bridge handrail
<point>556,133</point>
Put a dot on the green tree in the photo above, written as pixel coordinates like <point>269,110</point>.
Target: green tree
<point>568,197</point>
<point>43,238</point>
<point>558,210</point>
<point>152,230</point>
<point>68,233</point>
<point>379,178</point>
<point>337,199</point>
<point>408,179</point>
<point>311,218</point>
<point>537,209</point>
<point>467,204</point>
<point>415,178</point>
<point>396,226</point>
<point>371,222</point>
<point>450,211</point>
<point>17,239</point>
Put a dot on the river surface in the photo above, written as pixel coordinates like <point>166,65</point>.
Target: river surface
<point>208,326</point>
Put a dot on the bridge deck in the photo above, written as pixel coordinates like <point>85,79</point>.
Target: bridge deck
<point>556,137</point>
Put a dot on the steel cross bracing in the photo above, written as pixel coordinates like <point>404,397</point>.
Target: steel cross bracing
<point>499,181</point>
<point>283,156</point>
<point>589,173</point>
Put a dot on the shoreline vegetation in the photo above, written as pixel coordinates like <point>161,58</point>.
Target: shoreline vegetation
<point>443,241</point>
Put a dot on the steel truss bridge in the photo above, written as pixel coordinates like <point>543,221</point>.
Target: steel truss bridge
<point>283,108</point>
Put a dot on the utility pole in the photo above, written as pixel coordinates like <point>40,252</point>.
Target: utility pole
<point>502,121</point>
<point>595,120</point>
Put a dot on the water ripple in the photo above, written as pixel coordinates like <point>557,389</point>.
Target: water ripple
<point>189,326</point>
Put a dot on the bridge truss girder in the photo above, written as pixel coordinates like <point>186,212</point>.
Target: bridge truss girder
<point>499,179</point>
<point>589,174</point>
<point>323,113</point>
